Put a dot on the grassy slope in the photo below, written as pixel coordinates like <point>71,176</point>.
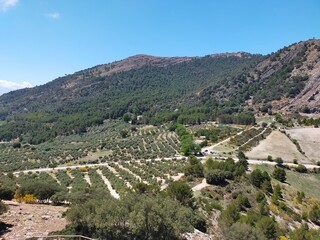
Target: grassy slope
<point>308,183</point>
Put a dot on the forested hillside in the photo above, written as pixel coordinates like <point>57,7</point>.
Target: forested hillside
<point>187,90</point>
<point>70,104</point>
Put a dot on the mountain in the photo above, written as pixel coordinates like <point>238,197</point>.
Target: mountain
<point>286,81</point>
<point>187,89</point>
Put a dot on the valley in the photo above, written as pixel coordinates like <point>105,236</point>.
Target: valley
<point>105,169</point>
<point>167,147</point>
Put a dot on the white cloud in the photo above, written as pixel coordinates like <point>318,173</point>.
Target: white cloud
<point>4,84</point>
<point>54,15</point>
<point>6,4</point>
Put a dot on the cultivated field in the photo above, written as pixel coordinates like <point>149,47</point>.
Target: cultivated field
<point>112,141</point>
<point>309,141</point>
<point>117,178</point>
<point>277,144</point>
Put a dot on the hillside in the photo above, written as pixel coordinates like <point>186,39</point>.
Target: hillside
<point>295,70</point>
<point>187,89</point>
<point>155,85</point>
<point>285,81</point>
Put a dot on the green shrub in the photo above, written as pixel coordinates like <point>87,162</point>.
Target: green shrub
<point>194,168</point>
<point>242,202</point>
<point>268,226</point>
<point>229,216</point>
<point>279,174</point>
<point>260,196</point>
<point>300,196</point>
<point>215,177</point>
<point>301,168</point>
<point>314,214</point>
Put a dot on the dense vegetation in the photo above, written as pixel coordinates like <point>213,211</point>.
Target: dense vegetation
<point>153,205</point>
<point>133,217</point>
<point>187,92</point>
<point>154,92</point>
<point>215,134</point>
<point>140,190</point>
<point>102,143</point>
<point>188,147</point>
<point>310,122</point>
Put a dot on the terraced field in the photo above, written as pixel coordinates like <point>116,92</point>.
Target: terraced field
<point>112,141</point>
<point>117,178</point>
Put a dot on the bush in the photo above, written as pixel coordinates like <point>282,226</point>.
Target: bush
<point>300,196</point>
<point>277,195</point>
<point>27,198</point>
<point>194,168</point>
<point>266,187</point>
<point>260,196</point>
<point>279,161</point>
<point>301,168</point>
<point>215,177</point>
<point>189,178</point>
<point>6,192</point>
<point>268,227</point>
<point>3,208</point>
<point>263,208</point>
<point>181,192</point>
<point>242,231</point>
<point>83,169</point>
<point>229,216</point>
<point>314,214</point>
<point>242,202</point>
<point>279,174</point>
<point>16,145</point>
<point>257,178</point>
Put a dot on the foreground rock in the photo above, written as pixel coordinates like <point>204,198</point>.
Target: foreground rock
<point>196,235</point>
<point>32,220</point>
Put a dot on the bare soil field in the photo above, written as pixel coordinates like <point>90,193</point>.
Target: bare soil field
<point>32,220</point>
<point>309,141</point>
<point>277,144</point>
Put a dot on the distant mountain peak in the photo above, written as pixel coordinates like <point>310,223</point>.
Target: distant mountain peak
<point>233,54</point>
<point>138,61</point>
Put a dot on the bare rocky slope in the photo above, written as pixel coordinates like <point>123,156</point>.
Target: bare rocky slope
<point>304,60</point>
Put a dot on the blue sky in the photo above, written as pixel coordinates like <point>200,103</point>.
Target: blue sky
<point>44,39</point>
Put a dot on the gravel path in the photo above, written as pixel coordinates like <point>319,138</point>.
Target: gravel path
<point>87,178</point>
<point>200,186</point>
<point>107,182</point>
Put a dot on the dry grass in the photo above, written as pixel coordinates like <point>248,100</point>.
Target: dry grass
<point>91,157</point>
<point>309,141</point>
<point>308,183</point>
<point>277,144</point>
<point>224,147</point>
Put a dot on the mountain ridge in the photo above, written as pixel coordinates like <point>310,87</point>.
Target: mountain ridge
<point>187,89</point>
